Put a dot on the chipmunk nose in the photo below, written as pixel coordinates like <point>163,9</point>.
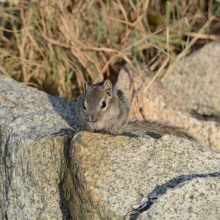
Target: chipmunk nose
<point>92,118</point>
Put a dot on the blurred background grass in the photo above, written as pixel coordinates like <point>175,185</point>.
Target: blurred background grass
<point>55,45</point>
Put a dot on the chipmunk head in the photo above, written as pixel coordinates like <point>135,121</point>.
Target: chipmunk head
<point>97,99</point>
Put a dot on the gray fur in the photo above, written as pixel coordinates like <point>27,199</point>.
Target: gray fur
<point>108,120</point>
<point>158,128</point>
<point>114,118</point>
<point>79,107</point>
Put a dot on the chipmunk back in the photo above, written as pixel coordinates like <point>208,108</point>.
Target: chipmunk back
<point>103,108</point>
<point>156,127</point>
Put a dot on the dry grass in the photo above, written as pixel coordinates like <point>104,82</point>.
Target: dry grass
<point>56,45</point>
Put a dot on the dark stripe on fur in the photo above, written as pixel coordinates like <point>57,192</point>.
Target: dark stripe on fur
<point>156,127</point>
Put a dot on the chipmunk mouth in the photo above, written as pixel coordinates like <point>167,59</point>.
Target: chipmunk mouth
<point>92,118</point>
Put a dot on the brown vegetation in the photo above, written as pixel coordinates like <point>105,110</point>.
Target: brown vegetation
<point>56,45</point>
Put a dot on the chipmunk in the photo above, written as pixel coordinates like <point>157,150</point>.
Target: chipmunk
<point>104,108</point>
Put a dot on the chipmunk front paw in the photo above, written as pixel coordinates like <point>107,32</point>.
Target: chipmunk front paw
<point>90,127</point>
<point>111,129</point>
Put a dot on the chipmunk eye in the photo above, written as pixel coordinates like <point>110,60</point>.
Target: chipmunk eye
<point>103,104</point>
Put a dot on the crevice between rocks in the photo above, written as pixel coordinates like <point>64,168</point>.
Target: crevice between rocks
<point>4,155</point>
<point>66,164</point>
<point>63,203</point>
<point>161,190</point>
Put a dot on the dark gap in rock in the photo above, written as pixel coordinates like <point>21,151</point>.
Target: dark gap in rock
<point>160,190</point>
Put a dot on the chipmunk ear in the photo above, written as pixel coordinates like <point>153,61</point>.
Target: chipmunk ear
<point>108,87</point>
<point>85,86</point>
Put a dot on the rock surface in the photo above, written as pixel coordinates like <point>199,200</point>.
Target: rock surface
<point>158,103</point>
<point>195,80</point>
<point>188,198</point>
<point>46,173</point>
<point>35,131</point>
<point>115,173</point>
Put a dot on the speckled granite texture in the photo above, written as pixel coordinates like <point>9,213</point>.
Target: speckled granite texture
<point>48,173</point>
<point>115,173</point>
<point>35,132</point>
<point>187,200</point>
